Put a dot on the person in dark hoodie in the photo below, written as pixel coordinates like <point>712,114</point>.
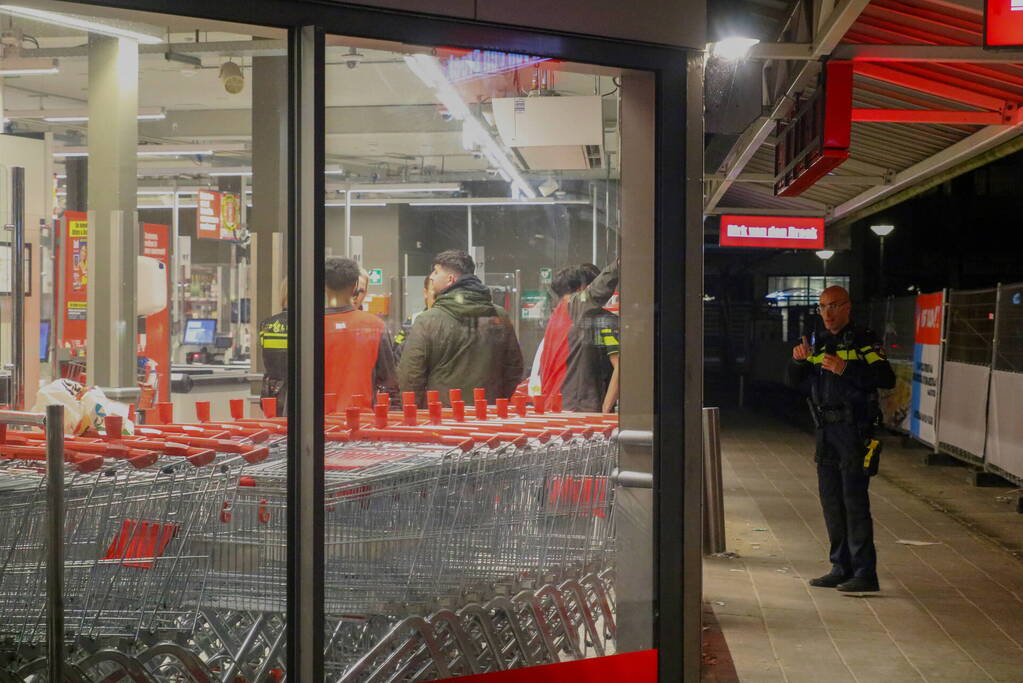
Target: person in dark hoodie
<point>464,341</point>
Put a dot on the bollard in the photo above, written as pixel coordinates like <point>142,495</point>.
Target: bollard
<point>713,500</point>
<point>55,542</point>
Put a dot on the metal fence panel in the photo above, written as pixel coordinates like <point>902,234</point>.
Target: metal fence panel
<point>971,326</point>
<point>1008,355</point>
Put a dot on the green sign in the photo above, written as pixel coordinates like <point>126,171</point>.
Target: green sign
<point>545,275</point>
<point>376,276</point>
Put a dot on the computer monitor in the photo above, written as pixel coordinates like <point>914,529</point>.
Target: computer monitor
<point>200,331</point>
<point>223,343</point>
<point>44,340</point>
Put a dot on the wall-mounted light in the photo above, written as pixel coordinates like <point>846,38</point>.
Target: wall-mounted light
<point>732,48</point>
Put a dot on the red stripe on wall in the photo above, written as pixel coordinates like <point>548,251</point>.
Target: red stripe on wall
<point>632,667</point>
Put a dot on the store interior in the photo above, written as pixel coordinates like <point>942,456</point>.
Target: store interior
<point>512,158</point>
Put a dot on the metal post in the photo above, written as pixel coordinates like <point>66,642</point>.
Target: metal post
<point>17,398</point>
<point>714,504</point>
<point>593,203</point>
<point>517,302</point>
<point>348,221</point>
<point>55,543</point>
<point>468,227</point>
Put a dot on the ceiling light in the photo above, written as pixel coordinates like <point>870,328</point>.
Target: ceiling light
<point>825,254</point>
<point>231,172</point>
<point>163,150</point>
<point>355,203</point>
<point>74,21</point>
<point>73,116</point>
<point>733,48</point>
<point>497,201</point>
<point>20,66</point>
<point>382,188</point>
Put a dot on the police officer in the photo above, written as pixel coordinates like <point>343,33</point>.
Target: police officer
<point>841,368</point>
<point>273,344</point>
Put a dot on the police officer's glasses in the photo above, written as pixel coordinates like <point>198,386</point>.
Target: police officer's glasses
<point>831,307</point>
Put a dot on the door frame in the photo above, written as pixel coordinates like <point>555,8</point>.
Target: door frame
<point>677,304</point>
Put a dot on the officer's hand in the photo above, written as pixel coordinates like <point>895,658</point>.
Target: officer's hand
<point>803,351</point>
<point>833,363</point>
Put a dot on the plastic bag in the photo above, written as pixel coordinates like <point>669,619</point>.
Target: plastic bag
<point>84,409</point>
<point>62,392</point>
<point>95,406</point>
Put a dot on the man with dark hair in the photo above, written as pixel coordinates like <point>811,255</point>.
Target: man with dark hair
<point>590,381</point>
<point>358,360</point>
<point>464,341</point>
<point>567,280</point>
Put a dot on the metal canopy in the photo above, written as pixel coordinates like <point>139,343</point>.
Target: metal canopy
<point>928,104</point>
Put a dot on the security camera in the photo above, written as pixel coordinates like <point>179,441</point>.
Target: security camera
<point>477,153</point>
<point>353,58</point>
<point>446,114</point>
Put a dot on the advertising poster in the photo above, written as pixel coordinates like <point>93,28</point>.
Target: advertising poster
<point>75,297</point>
<point>896,403</point>
<point>155,244</point>
<point>926,367</point>
<point>217,215</point>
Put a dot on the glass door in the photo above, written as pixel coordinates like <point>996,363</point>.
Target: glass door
<point>477,332</point>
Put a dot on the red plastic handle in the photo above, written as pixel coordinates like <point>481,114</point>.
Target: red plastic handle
<point>502,408</point>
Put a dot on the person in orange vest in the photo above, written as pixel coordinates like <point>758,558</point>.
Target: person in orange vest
<point>358,359</point>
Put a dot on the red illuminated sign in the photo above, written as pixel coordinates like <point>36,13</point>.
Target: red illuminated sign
<point>774,232</point>
<point>1003,23</point>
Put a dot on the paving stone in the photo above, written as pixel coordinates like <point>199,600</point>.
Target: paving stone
<point>948,612</point>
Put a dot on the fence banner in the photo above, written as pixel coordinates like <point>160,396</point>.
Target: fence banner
<point>926,367</point>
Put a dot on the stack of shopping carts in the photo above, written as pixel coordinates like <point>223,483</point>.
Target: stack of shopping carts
<point>457,540</point>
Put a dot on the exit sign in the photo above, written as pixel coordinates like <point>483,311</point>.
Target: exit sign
<point>376,276</point>
<point>1003,23</point>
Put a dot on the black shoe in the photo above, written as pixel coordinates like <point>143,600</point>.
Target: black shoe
<point>859,584</point>
<point>829,580</point>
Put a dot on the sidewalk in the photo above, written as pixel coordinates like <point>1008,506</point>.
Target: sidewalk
<point>952,611</point>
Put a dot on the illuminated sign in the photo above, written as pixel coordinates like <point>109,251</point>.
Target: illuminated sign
<point>1003,23</point>
<point>773,232</point>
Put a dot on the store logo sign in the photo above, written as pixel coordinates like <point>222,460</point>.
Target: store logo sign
<point>774,232</point>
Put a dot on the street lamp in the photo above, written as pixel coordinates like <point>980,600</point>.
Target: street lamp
<point>881,231</point>
<point>825,255</point>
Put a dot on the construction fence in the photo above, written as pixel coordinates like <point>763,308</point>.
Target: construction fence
<point>965,398</point>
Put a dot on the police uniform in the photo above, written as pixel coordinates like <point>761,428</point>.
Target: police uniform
<point>845,409</point>
<point>273,342</point>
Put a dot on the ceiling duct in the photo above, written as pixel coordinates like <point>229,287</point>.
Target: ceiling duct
<point>553,133</point>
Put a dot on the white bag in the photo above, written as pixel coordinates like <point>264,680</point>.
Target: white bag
<point>62,392</point>
<point>95,406</point>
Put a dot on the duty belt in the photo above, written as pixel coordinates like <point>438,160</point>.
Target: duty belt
<point>836,415</point>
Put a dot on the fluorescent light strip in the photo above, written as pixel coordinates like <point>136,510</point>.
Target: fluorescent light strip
<point>382,189</point>
<point>427,69</point>
<point>71,21</point>
<point>230,173</point>
<point>29,72</point>
<point>499,202</point>
<point>355,203</point>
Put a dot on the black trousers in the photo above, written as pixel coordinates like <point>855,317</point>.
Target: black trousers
<point>845,501</point>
